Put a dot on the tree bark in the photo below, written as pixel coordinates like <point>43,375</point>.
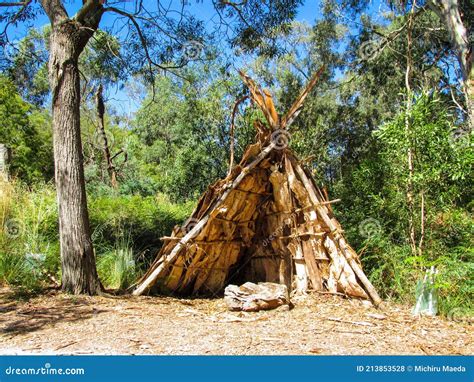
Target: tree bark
<point>450,14</point>
<point>79,274</point>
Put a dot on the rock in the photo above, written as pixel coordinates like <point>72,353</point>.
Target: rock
<point>367,304</point>
<point>251,297</point>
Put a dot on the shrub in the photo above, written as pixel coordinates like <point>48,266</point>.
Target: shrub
<point>394,270</point>
<point>388,270</point>
<point>29,243</point>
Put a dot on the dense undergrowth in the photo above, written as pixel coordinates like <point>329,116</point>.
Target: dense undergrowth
<point>126,232</point>
<point>126,235</point>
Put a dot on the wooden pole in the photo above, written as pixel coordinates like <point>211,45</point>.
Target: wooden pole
<point>295,109</point>
<point>323,212</point>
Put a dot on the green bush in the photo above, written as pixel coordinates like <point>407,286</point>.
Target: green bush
<point>456,282</point>
<point>394,270</point>
<point>145,219</point>
<point>127,232</point>
<point>389,271</point>
<point>450,249</point>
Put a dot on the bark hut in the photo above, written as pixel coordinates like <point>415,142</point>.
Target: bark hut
<point>266,221</point>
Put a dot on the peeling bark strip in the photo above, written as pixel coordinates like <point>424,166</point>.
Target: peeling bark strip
<point>68,39</point>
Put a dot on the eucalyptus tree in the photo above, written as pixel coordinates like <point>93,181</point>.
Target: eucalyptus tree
<point>453,23</point>
<point>458,18</point>
<point>152,35</point>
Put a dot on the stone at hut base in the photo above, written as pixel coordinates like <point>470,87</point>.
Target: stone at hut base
<point>251,297</point>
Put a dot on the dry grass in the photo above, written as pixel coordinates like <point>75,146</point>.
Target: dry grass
<point>321,324</point>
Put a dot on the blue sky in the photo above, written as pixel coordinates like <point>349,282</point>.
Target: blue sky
<point>309,12</point>
<point>202,9</point>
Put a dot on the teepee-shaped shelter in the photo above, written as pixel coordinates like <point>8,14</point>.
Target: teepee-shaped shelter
<point>266,221</point>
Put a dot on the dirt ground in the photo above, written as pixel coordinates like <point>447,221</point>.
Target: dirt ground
<point>319,324</point>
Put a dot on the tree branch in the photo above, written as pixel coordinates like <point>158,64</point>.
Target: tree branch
<point>23,5</point>
<point>142,38</point>
<point>55,10</point>
<point>18,4</point>
<point>84,12</point>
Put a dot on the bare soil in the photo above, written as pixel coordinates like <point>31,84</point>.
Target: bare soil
<point>319,324</point>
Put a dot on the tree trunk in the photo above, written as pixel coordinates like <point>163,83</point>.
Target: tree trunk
<point>105,143</point>
<point>79,274</point>
<point>410,191</point>
<point>450,14</point>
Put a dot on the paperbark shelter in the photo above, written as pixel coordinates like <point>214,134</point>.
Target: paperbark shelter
<point>266,221</point>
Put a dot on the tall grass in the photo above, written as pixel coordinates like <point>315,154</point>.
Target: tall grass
<point>27,253</point>
<point>117,267</point>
